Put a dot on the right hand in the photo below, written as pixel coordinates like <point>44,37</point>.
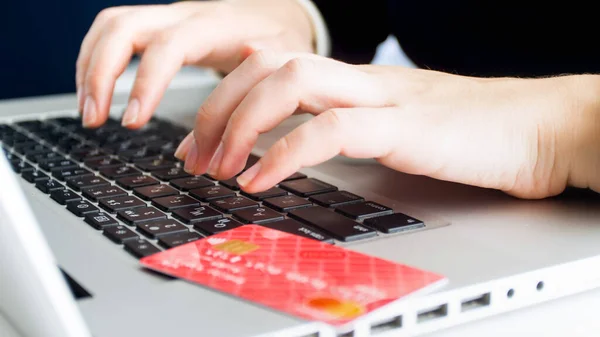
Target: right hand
<point>215,34</point>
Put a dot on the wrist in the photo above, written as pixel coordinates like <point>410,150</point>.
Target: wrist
<point>289,13</point>
<point>581,136</point>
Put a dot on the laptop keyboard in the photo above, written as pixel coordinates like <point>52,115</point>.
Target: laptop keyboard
<point>129,187</point>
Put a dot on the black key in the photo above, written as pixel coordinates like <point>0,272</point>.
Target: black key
<point>100,220</point>
<point>77,183</point>
<point>14,163</point>
<point>105,162</point>
<point>195,214</point>
<point>287,202</point>
<point>334,199</point>
<point>43,157</point>
<point>174,240</point>
<point>186,184</point>
<point>154,191</point>
<point>154,229</point>
<point>233,204</point>
<point>137,181</point>
<point>295,176</point>
<point>97,193</point>
<point>87,153</point>
<point>119,172</point>
<point>63,174</point>
<point>364,210</point>
<point>30,147</point>
<point>119,234</point>
<point>141,214</point>
<point>217,226</point>
<point>307,187</point>
<point>34,176</point>
<point>156,164</point>
<point>337,225</point>
<point>23,167</point>
<point>270,193</point>
<point>64,196</point>
<point>257,215</point>
<point>81,207</point>
<point>212,193</point>
<point>170,174</point>
<point>170,203</point>
<point>232,184</point>
<point>139,154</point>
<point>48,185</point>
<point>121,203</point>
<point>140,248</point>
<point>394,223</point>
<point>294,227</point>
<point>50,164</point>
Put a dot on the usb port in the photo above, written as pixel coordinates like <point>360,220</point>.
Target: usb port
<point>480,301</point>
<point>386,325</point>
<point>433,313</point>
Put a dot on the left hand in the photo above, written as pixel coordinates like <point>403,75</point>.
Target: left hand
<point>509,134</point>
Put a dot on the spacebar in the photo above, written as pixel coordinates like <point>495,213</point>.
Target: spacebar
<point>332,223</point>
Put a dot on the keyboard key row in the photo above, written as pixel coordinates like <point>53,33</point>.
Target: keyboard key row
<point>122,157</point>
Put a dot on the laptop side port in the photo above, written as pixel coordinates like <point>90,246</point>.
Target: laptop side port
<point>393,323</point>
<point>476,302</point>
<point>432,313</point>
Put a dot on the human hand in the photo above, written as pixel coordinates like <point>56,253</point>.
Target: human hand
<point>216,34</point>
<point>509,134</point>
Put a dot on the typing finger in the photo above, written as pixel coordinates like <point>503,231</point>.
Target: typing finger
<point>305,84</point>
<point>169,50</point>
<point>87,46</point>
<point>353,132</point>
<point>214,113</point>
<point>122,36</point>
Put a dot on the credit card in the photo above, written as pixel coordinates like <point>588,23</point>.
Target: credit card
<point>299,276</point>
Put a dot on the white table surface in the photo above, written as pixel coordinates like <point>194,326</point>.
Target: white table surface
<point>573,316</point>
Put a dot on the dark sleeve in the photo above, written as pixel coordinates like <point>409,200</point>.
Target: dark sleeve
<point>356,28</point>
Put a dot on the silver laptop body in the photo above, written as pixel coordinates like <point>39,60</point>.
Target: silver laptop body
<point>499,254</point>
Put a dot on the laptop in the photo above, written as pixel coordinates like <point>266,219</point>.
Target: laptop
<point>79,207</point>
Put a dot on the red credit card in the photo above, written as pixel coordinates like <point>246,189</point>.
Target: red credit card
<point>299,276</point>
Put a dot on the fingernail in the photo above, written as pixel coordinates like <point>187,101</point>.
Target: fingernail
<point>184,146</point>
<point>89,111</point>
<point>131,113</point>
<point>79,98</point>
<point>191,158</point>
<point>215,162</point>
<point>249,174</point>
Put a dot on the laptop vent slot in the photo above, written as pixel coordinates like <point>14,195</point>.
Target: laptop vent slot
<point>432,313</point>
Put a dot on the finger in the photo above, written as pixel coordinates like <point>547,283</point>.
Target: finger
<point>353,132</point>
<point>123,36</point>
<point>184,146</point>
<point>214,113</point>
<point>87,46</point>
<point>170,50</point>
<point>312,85</point>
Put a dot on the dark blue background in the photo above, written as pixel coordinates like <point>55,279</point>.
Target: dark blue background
<point>40,40</point>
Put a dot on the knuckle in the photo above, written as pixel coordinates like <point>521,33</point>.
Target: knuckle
<point>107,13</point>
<point>260,59</point>
<point>332,119</point>
<point>117,23</point>
<point>295,68</point>
<point>165,38</point>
